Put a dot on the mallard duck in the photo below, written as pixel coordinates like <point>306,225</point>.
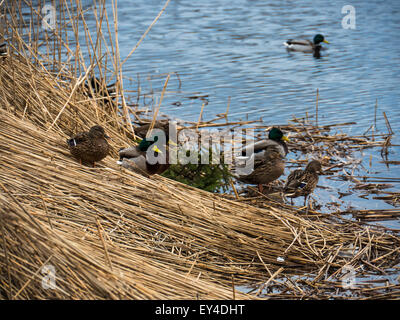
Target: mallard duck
<point>275,138</point>
<point>303,182</point>
<point>166,126</point>
<point>142,129</point>
<point>136,158</point>
<point>3,49</point>
<point>91,146</point>
<point>266,169</point>
<point>95,87</point>
<point>307,46</point>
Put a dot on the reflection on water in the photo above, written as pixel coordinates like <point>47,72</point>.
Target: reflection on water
<point>236,51</point>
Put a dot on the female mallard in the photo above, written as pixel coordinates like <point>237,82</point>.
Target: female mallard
<point>307,46</point>
<point>275,138</point>
<point>303,182</point>
<point>266,169</point>
<point>137,159</point>
<point>89,147</point>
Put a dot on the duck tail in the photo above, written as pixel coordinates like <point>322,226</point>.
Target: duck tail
<point>71,142</point>
<point>291,194</point>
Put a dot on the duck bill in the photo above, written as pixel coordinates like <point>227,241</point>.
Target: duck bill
<point>326,41</point>
<point>286,139</point>
<point>155,149</point>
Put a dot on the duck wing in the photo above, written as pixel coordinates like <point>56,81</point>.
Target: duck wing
<point>302,184</point>
<point>301,42</point>
<point>130,153</point>
<point>259,148</point>
<point>137,165</point>
<point>294,180</point>
<point>78,139</point>
<point>299,45</point>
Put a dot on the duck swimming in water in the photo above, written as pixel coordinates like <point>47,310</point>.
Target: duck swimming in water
<point>307,46</point>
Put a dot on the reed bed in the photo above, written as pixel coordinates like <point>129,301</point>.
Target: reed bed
<point>110,233</point>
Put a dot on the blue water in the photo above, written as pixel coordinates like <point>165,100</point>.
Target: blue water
<point>234,49</point>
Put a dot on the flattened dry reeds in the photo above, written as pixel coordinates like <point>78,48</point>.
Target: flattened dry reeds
<point>112,234</point>
<point>108,230</point>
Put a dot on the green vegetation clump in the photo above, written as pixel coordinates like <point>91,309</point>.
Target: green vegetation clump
<point>210,177</point>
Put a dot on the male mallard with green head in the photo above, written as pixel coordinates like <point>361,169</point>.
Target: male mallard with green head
<point>90,146</point>
<point>306,46</point>
<point>266,169</point>
<point>303,182</point>
<point>136,158</point>
<point>165,126</point>
<point>151,156</point>
<point>275,138</point>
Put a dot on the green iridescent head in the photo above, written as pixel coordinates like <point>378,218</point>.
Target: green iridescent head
<point>276,135</point>
<point>145,144</point>
<point>319,38</point>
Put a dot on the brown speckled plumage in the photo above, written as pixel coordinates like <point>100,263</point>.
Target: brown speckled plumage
<point>266,170</point>
<point>89,147</point>
<point>303,182</point>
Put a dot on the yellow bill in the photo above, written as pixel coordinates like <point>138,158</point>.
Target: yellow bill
<point>155,149</point>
